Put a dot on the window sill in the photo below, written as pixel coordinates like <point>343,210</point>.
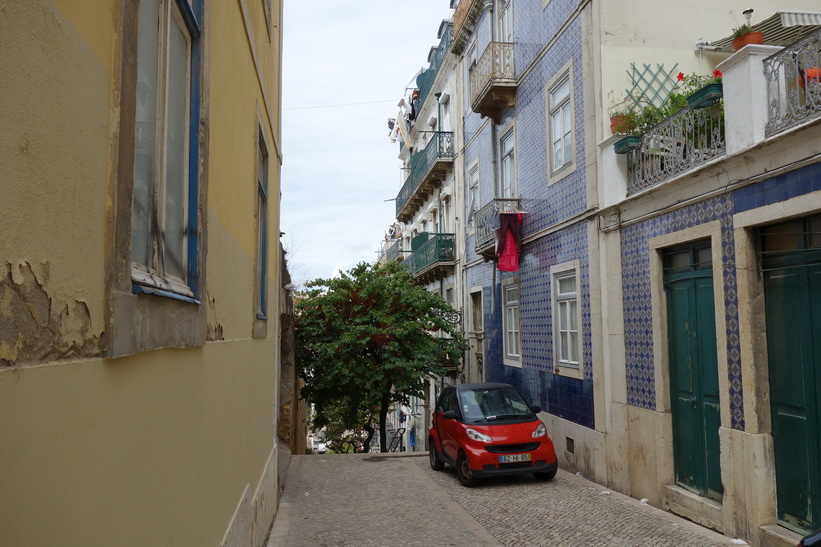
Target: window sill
<point>140,289</point>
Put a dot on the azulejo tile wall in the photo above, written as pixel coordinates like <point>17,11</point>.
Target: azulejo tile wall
<point>638,312</point>
<point>568,398</point>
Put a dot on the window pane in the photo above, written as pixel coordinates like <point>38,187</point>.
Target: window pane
<point>567,285</point>
<point>560,94</point>
<point>574,347</point>
<point>572,321</point>
<point>145,173</point>
<point>563,355</point>
<point>563,316</point>
<point>176,154</point>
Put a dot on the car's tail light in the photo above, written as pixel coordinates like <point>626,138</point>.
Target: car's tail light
<point>541,431</point>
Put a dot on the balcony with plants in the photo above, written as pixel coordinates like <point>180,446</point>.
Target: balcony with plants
<point>662,141</point>
<point>486,223</point>
<point>427,170</point>
<point>433,258</point>
<point>493,81</point>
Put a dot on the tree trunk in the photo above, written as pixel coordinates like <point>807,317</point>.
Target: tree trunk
<point>366,447</point>
<point>383,419</point>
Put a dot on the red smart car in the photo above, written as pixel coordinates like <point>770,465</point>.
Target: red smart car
<point>487,430</point>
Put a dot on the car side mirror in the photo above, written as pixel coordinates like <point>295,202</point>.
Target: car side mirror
<point>449,415</point>
<point>536,409</point>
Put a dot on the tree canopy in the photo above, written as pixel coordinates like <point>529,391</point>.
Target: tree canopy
<point>367,339</point>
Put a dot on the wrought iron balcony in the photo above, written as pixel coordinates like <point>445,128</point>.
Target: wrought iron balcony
<point>424,81</point>
<point>493,81</point>
<point>486,222</point>
<point>394,251</point>
<point>434,258</point>
<point>689,138</point>
<point>794,84</point>
<point>427,169</point>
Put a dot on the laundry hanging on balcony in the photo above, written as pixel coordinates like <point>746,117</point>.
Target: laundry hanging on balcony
<point>508,241</point>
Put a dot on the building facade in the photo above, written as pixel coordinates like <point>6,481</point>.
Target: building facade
<point>649,295</point>
<point>139,272</point>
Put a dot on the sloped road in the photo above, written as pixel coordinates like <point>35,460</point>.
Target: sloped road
<point>397,500</point>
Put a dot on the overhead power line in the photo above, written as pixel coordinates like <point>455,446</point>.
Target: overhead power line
<point>337,105</point>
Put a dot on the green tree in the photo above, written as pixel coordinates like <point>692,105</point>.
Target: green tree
<point>367,339</point>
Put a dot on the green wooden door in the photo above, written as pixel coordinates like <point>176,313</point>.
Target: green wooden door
<point>691,333</point>
<point>791,261</point>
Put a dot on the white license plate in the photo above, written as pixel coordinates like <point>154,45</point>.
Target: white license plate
<point>514,458</point>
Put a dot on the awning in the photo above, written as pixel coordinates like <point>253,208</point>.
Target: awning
<point>781,29</point>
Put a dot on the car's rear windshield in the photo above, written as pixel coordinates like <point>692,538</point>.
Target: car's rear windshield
<point>501,403</point>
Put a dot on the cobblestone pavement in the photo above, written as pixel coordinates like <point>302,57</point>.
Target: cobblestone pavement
<point>397,500</point>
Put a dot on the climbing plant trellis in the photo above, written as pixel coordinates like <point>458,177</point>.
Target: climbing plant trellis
<point>650,84</point>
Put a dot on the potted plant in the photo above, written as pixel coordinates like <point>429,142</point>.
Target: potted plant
<point>698,90</point>
<point>744,35</point>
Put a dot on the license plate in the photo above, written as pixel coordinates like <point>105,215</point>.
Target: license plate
<point>514,458</point>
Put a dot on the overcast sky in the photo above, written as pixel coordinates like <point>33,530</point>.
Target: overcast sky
<point>339,166</point>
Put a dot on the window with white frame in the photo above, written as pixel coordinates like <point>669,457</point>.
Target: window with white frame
<point>473,194</point>
<point>512,324</point>
<point>507,178</point>
<point>472,58</point>
<point>566,319</point>
<point>162,219</point>
<point>506,21</point>
<point>561,123</point>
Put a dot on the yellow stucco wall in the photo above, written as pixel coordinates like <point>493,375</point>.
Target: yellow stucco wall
<point>54,150</point>
<point>161,447</point>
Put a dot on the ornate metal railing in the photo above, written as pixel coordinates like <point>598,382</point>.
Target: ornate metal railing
<point>486,220</point>
<point>687,139</point>
<point>425,80</point>
<point>793,84</point>
<point>439,147</point>
<point>496,63</point>
<point>439,248</point>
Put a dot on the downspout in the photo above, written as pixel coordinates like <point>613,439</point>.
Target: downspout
<point>495,156</point>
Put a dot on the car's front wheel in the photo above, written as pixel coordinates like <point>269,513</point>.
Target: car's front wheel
<point>464,472</point>
<point>547,476</point>
<point>435,463</point>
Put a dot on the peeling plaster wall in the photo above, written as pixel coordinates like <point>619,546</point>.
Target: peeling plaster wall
<point>54,153</point>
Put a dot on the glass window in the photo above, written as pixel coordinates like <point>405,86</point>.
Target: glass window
<point>512,340</point>
<point>561,127</point>
<point>160,215</point>
<point>262,227</point>
<point>567,319</point>
<point>473,194</point>
<point>508,168</point>
<point>506,21</point>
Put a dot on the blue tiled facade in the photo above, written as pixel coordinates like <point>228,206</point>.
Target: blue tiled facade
<point>638,312</point>
<point>545,204</point>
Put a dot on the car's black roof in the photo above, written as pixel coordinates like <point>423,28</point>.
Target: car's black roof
<point>480,385</point>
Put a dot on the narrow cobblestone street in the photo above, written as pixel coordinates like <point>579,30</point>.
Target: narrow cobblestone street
<point>397,500</point>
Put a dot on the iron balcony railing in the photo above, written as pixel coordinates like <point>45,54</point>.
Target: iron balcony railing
<point>793,84</point>
<point>438,148</point>
<point>685,140</point>
<point>495,64</point>
<point>394,251</point>
<point>438,248</point>
<point>424,82</point>
<point>486,221</point>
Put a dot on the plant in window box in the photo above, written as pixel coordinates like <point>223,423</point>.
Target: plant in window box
<point>697,91</point>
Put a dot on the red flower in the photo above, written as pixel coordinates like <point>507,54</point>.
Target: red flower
<point>680,76</point>
<point>717,73</point>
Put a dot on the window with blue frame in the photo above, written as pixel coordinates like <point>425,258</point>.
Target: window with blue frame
<point>165,190</point>
<point>262,227</point>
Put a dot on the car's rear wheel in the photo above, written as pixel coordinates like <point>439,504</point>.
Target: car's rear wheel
<point>464,472</point>
<point>547,476</point>
<point>435,463</point>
